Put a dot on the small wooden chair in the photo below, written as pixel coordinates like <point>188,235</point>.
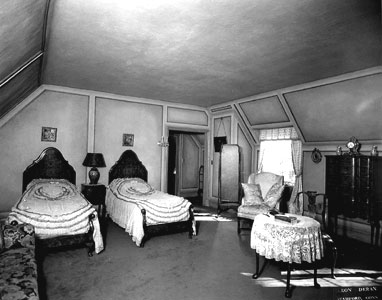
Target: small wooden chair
<point>317,207</point>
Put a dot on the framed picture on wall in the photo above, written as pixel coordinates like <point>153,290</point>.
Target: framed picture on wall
<point>128,139</point>
<point>219,141</point>
<point>48,134</point>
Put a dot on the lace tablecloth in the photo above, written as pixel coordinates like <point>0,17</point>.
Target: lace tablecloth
<point>283,241</point>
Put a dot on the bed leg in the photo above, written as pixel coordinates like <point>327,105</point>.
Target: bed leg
<point>192,228</point>
<point>145,233</point>
<point>90,244</point>
<point>91,248</point>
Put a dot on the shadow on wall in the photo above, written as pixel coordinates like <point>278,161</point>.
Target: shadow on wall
<point>285,198</point>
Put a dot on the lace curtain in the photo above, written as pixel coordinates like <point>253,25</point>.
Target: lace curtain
<point>288,133</point>
<point>296,205</point>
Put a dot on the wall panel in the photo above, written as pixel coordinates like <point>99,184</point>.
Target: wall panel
<point>187,116</point>
<point>190,167</point>
<point>245,155</point>
<point>115,117</point>
<point>264,111</point>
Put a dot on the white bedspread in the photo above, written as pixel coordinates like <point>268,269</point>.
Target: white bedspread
<point>55,207</point>
<point>125,198</point>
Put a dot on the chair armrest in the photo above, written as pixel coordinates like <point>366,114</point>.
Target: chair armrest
<point>241,194</point>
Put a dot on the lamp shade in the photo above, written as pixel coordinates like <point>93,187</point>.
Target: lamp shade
<point>94,160</point>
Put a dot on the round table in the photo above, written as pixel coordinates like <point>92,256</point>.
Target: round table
<point>288,242</point>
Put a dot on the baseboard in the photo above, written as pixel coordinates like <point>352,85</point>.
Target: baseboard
<point>213,202</point>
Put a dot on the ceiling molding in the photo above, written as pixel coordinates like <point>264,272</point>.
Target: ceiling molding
<point>215,109</point>
<point>291,117</point>
<point>245,124</point>
<point>43,39</point>
<point>21,68</point>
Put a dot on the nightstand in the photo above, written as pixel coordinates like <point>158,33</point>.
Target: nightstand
<point>95,194</point>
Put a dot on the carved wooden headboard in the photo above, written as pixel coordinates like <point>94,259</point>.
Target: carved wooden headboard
<point>128,166</point>
<point>49,164</point>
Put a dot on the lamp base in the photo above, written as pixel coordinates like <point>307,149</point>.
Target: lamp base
<point>94,175</point>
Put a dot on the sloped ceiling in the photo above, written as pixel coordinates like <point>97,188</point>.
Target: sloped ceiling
<point>329,112</point>
<point>357,110</point>
<point>207,52</point>
<point>21,49</point>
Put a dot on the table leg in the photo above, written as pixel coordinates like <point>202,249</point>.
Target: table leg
<point>288,292</point>
<point>100,211</point>
<point>316,285</point>
<point>256,275</point>
<point>375,231</point>
<point>103,211</point>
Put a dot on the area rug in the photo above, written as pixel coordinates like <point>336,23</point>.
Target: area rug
<point>212,217</point>
<point>202,213</point>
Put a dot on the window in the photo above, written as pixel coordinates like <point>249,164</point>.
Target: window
<point>277,158</point>
<point>276,152</point>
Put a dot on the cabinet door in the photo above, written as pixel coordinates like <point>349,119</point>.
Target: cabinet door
<point>348,170</point>
<point>376,188</point>
<point>363,187</point>
<point>332,184</point>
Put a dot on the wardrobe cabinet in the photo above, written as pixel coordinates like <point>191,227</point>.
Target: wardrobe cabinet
<point>354,189</point>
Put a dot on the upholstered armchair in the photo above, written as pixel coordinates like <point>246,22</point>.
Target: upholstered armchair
<point>262,193</point>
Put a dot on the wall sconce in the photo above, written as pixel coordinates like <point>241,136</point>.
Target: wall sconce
<point>163,142</point>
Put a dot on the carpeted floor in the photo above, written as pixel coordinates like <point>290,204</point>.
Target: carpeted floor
<point>216,264</point>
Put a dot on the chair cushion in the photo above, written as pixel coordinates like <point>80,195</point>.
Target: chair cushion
<point>18,274</point>
<point>252,194</point>
<point>266,180</point>
<point>274,194</point>
<point>246,211</point>
<point>16,236</point>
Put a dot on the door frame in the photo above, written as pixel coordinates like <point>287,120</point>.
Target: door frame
<point>207,157</point>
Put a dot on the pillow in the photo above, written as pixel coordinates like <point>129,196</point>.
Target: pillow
<point>51,189</point>
<point>274,195</point>
<point>133,186</point>
<point>252,194</point>
<point>16,236</point>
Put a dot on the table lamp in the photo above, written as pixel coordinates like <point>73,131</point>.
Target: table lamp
<point>94,160</point>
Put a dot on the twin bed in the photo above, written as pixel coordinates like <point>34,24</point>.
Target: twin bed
<point>140,209</point>
<point>52,203</point>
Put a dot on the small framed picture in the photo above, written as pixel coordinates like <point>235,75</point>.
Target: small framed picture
<point>48,134</point>
<point>219,141</point>
<point>128,139</point>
